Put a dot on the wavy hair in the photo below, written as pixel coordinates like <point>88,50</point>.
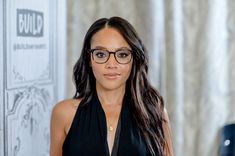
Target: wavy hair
<point>146,103</point>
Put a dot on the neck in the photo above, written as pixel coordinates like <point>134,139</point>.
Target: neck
<point>110,97</point>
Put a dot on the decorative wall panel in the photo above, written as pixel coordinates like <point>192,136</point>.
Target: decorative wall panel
<point>28,42</point>
<point>31,48</point>
<point>27,121</point>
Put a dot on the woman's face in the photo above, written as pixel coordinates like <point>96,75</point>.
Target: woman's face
<point>110,75</point>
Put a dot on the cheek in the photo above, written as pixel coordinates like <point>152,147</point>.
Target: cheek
<point>95,70</point>
<point>127,70</point>
<point>98,70</point>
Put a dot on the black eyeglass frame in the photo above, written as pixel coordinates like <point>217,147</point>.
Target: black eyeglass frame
<point>111,52</point>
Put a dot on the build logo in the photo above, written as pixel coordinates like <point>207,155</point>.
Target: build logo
<point>29,23</point>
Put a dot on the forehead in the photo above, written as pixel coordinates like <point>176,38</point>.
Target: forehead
<point>109,38</point>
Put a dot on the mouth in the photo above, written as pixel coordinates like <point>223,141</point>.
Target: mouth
<point>112,76</point>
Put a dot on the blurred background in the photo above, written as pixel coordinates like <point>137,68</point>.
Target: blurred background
<point>191,47</point>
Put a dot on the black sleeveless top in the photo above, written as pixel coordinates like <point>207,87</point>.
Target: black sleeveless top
<point>88,133</point>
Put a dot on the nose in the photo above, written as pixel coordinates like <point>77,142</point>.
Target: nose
<point>111,63</point>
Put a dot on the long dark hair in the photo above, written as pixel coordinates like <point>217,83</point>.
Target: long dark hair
<point>146,103</point>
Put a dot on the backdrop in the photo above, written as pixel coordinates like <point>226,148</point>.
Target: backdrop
<point>191,46</point>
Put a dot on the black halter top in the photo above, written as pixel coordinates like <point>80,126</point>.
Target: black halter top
<point>88,133</point>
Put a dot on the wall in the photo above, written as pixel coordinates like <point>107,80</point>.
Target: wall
<point>32,63</point>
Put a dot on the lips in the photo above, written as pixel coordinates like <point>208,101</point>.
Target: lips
<point>112,76</point>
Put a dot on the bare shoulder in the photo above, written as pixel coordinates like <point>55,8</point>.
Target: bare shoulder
<point>66,105</point>
<point>63,112</point>
<point>61,119</point>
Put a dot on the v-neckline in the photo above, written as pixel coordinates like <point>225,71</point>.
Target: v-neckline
<point>118,128</point>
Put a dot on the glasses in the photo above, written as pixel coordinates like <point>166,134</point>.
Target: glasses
<point>122,56</point>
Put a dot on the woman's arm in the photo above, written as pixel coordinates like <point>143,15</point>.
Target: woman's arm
<point>57,130</point>
<point>61,120</point>
<point>167,133</point>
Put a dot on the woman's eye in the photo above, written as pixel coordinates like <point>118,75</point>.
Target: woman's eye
<point>123,54</point>
<point>100,54</point>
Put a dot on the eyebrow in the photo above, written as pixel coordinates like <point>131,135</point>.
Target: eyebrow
<point>103,48</point>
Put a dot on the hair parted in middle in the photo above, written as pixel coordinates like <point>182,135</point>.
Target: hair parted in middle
<point>146,103</point>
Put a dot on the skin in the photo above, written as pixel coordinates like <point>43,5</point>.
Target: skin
<point>110,77</point>
<point>111,80</point>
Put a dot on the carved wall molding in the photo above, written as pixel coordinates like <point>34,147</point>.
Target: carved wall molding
<point>32,73</point>
<point>28,122</point>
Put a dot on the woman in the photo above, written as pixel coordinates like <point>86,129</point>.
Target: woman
<point>115,110</point>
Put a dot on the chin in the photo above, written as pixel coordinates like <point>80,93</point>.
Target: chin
<point>112,86</point>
